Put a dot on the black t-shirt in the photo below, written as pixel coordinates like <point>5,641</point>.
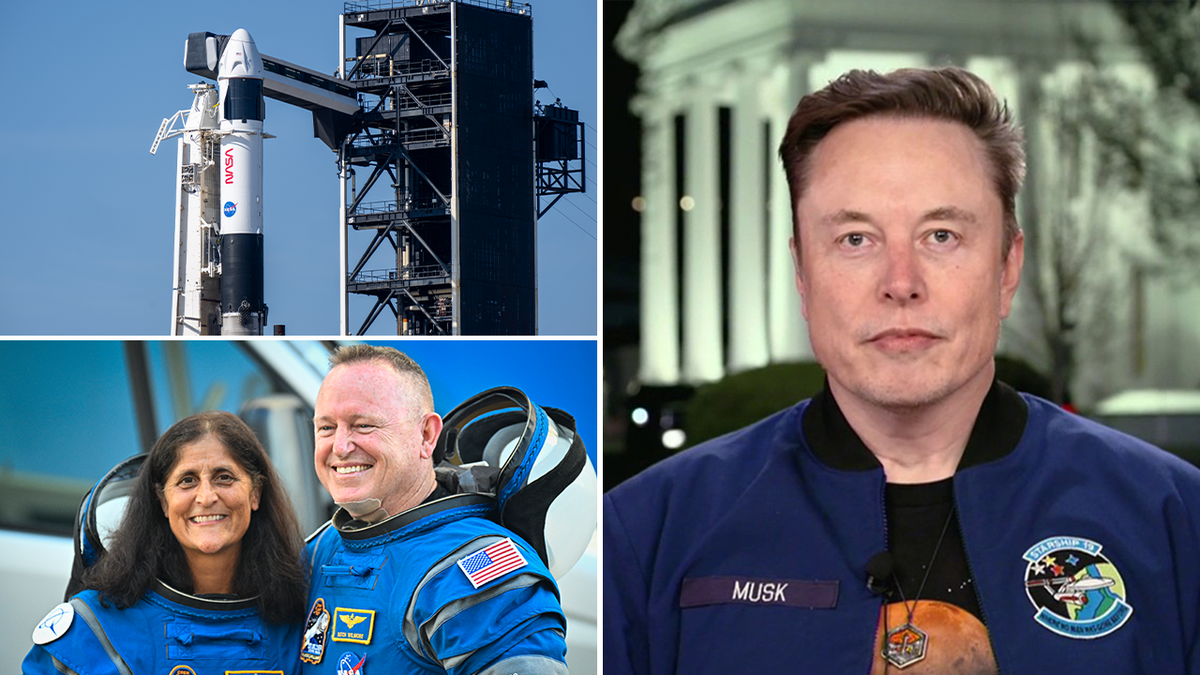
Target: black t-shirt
<point>916,517</point>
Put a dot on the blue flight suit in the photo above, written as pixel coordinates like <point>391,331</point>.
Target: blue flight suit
<point>397,600</point>
<point>167,632</point>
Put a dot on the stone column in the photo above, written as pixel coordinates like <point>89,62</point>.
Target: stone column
<point>748,241</point>
<point>703,350</point>
<point>1019,85</point>
<point>660,278</point>
<point>787,334</point>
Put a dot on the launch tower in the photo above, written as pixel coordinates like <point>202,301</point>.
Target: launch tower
<point>441,167</point>
<point>442,154</point>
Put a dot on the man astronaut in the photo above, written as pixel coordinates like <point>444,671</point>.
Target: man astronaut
<point>411,576</point>
<point>917,514</point>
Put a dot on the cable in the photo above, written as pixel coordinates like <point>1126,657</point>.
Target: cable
<point>581,210</point>
<point>577,225</point>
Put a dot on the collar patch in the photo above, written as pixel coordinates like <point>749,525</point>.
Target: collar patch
<point>353,625</point>
<point>312,647</point>
<point>54,625</point>
<point>1076,591</point>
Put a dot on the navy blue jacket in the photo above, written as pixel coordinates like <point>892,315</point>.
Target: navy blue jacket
<point>688,543</point>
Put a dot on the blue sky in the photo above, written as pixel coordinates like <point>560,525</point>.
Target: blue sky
<point>89,212</point>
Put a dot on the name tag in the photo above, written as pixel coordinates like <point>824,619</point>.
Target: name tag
<point>808,594</point>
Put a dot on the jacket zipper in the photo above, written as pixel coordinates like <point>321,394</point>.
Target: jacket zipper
<point>975,583</point>
<point>883,601</point>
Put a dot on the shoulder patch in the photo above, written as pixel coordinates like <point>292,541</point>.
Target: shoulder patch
<point>54,625</point>
<point>492,562</point>
<point>1076,591</point>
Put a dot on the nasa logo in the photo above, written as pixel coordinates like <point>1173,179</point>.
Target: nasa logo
<point>1076,591</point>
<point>351,664</point>
<point>54,625</point>
<point>229,166</point>
<point>230,209</point>
<point>312,647</point>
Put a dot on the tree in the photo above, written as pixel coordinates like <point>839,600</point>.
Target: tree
<point>1114,186</point>
<point>1167,35</point>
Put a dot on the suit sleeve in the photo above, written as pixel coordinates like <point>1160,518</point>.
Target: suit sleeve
<point>511,624</point>
<point>83,649</point>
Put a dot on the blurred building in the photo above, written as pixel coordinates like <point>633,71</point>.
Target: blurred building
<point>718,81</point>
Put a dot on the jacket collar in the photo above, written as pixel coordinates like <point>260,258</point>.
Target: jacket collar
<point>997,431</point>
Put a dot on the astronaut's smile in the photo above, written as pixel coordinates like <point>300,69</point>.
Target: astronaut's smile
<point>202,520</point>
<point>356,468</point>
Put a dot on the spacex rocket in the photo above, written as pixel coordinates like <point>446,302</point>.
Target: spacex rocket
<point>242,108</point>
<point>218,287</point>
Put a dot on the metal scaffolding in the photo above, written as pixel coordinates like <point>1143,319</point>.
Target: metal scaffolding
<point>439,165</point>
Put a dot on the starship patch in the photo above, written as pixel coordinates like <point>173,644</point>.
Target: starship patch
<point>1076,591</point>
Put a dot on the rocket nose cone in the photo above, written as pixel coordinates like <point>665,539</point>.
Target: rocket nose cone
<point>240,57</point>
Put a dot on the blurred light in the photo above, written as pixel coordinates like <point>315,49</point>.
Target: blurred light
<point>687,203</point>
<point>640,416</point>
<point>673,439</point>
<point>639,203</point>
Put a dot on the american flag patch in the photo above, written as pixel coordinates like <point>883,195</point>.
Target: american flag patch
<point>494,561</point>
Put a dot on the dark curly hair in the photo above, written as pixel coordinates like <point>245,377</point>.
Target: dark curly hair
<point>144,548</point>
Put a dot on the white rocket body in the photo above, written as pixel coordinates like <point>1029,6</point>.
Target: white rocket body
<point>240,167</point>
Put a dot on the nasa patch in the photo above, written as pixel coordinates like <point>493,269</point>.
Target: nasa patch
<point>229,209</point>
<point>54,625</point>
<point>182,670</point>
<point>312,647</point>
<point>1077,592</point>
<point>351,664</point>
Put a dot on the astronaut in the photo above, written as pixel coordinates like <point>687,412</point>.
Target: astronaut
<point>446,569</point>
<point>164,591</point>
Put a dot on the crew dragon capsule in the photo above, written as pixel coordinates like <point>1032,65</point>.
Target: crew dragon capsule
<point>242,108</point>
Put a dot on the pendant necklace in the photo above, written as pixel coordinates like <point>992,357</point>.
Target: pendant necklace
<point>906,644</point>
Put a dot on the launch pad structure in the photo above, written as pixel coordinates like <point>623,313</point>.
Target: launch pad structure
<point>444,162</point>
<point>446,136</point>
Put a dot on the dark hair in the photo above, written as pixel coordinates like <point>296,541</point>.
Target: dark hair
<point>144,548</point>
<point>950,94</point>
<point>400,362</point>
